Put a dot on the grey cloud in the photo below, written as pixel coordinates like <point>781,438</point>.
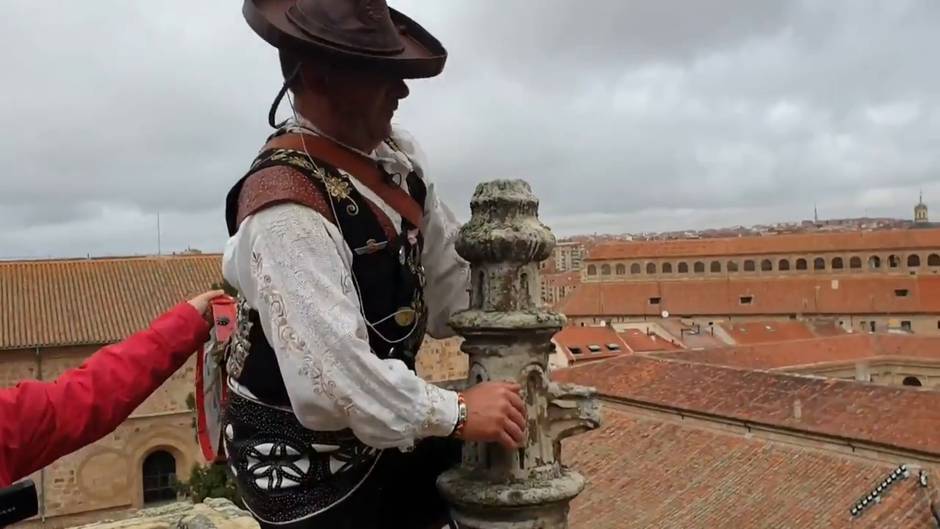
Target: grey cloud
<point>624,115</point>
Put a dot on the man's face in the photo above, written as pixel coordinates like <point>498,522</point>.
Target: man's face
<point>365,102</point>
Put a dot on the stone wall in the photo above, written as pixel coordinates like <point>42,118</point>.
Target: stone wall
<point>213,513</point>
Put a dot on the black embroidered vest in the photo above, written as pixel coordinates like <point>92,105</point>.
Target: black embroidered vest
<point>386,271</point>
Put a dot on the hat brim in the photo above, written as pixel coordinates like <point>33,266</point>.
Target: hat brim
<point>422,55</point>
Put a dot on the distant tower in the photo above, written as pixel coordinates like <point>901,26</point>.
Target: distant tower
<point>920,211</point>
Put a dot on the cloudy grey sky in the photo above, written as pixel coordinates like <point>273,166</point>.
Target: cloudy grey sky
<point>625,115</point>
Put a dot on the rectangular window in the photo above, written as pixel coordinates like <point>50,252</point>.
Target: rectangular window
<point>594,348</point>
<point>746,300</point>
<point>613,347</point>
<point>901,292</point>
<point>575,350</point>
<point>906,326</point>
<point>655,301</point>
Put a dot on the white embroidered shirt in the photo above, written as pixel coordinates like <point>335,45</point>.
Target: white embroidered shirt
<point>293,266</point>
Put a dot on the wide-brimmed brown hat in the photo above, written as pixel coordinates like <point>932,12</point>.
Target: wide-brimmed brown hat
<point>365,32</point>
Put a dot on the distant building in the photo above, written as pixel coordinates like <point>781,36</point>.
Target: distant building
<point>862,281</point>
<point>920,212</point>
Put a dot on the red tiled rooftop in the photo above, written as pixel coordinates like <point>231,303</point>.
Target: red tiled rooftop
<point>641,342</point>
<point>583,339</point>
<point>692,337</point>
<point>560,279</point>
<point>833,349</point>
<point>897,417</point>
<point>645,473</point>
<point>767,331</point>
<point>796,295</point>
<point>897,240</point>
<point>94,301</point>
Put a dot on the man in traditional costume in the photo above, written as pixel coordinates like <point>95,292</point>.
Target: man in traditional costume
<point>343,256</point>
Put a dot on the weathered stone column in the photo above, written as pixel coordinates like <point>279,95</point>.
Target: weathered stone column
<point>507,333</point>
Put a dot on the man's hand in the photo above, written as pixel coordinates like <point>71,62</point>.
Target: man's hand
<point>201,302</point>
<point>495,414</point>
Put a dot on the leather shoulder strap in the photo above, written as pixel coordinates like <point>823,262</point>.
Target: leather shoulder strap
<point>276,185</point>
<point>364,169</point>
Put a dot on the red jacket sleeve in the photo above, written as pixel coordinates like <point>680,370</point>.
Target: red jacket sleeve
<point>43,421</point>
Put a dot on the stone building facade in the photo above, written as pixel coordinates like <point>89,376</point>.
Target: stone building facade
<point>861,281</point>
<point>904,252</point>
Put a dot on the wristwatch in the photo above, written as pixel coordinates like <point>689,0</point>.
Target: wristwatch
<point>461,416</point>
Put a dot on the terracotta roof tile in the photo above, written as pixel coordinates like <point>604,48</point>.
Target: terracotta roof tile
<point>94,301</point>
<point>767,331</point>
<point>899,417</point>
<point>561,278</point>
<point>640,342</point>
<point>883,240</point>
<point>644,473</point>
<point>582,339</point>
<point>797,295</point>
<point>833,349</point>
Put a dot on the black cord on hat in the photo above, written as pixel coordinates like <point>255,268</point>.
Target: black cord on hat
<point>272,114</point>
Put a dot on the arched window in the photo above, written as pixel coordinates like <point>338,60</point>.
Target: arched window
<point>801,264</point>
<point>749,266</point>
<point>667,268</point>
<point>650,268</point>
<point>874,262</point>
<point>766,265</point>
<point>159,474</point>
<point>837,263</point>
<point>732,266</point>
<point>715,267</point>
<point>621,269</point>
<point>683,268</point>
<point>592,270</point>
<point>783,265</point>
<point>605,270</point>
<point>933,260</point>
<point>913,261</point>
<point>894,261</point>
<point>699,267</point>
<point>635,268</point>
<point>912,381</point>
<point>855,263</point>
<point>819,263</point>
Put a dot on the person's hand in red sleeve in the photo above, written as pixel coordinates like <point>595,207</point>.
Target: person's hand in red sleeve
<point>43,421</point>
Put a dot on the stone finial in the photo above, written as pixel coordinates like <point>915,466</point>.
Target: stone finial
<point>507,334</point>
<point>504,226</point>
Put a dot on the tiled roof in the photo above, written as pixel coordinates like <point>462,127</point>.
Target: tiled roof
<point>561,278</point>
<point>767,331</point>
<point>691,336</point>
<point>94,301</point>
<point>796,295</point>
<point>833,349</point>
<point>899,417</point>
<point>645,473</point>
<point>641,342</point>
<point>583,339</point>
<point>897,240</point>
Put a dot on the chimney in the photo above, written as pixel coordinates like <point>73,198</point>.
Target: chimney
<point>797,409</point>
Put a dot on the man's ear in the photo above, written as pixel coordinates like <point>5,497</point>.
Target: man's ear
<point>314,76</point>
